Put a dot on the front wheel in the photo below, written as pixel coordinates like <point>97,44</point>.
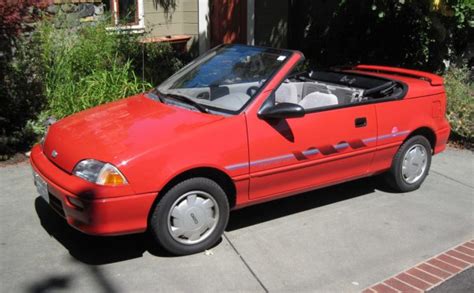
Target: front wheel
<point>190,217</point>
<point>410,165</point>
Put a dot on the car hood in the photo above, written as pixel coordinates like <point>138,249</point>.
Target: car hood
<point>119,131</point>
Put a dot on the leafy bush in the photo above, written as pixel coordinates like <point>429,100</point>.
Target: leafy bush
<point>418,34</point>
<point>16,13</point>
<point>84,68</point>
<point>154,62</point>
<point>57,72</point>
<point>22,98</point>
<point>161,62</point>
<point>460,93</point>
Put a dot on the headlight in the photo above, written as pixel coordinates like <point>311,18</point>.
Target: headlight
<point>99,173</point>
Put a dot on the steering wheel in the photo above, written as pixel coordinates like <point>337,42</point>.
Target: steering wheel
<point>252,90</point>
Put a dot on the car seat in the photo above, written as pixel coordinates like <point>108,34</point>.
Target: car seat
<point>318,100</point>
<point>286,93</point>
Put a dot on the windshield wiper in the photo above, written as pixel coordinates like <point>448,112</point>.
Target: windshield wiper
<point>156,94</point>
<point>189,101</point>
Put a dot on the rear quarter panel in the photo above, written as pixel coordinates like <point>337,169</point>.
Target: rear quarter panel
<point>407,115</point>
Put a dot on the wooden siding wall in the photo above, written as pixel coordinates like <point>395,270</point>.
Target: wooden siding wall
<point>183,20</point>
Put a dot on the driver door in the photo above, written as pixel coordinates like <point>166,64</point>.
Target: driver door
<point>323,147</point>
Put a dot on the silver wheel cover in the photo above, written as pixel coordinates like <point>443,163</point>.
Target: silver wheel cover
<point>414,163</point>
<point>193,217</point>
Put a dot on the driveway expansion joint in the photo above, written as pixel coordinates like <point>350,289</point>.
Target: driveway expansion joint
<point>452,179</point>
<point>245,263</point>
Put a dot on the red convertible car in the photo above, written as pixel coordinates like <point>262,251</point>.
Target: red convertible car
<point>237,126</point>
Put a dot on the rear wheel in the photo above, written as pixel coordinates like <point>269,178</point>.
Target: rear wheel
<point>190,217</point>
<point>410,165</point>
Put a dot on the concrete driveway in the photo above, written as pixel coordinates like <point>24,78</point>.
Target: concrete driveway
<point>338,239</point>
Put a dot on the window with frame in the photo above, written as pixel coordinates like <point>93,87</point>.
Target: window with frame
<point>126,13</point>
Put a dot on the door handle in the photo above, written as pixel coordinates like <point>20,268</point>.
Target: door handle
<point>360,122</point>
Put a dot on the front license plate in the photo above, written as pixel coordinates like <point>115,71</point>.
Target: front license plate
<point>41,186</point>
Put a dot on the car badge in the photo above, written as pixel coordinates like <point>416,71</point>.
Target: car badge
<point>54,154</point>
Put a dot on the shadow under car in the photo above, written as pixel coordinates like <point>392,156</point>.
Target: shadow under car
<point>96,250</point>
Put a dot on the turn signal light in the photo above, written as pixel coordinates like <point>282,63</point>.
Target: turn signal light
<point>112,178</point>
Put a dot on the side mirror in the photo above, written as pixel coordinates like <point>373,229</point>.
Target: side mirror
<point>282,111</point>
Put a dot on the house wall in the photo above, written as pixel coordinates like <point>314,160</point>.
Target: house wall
<point>271,23</point>
<point>180,20</point>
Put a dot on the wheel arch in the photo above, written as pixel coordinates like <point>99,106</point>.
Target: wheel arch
<point>426,132</point>
<point>211,173</point>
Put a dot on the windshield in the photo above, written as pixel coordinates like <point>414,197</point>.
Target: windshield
<point>226,78</point>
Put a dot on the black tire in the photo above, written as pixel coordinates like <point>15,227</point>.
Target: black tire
<point>161,216</point>
<point>395,178</point>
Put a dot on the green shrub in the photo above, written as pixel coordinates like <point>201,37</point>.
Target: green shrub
<point>57,72</point>
<point>21,97</point>
<point>98,87</point>
<point>460,93</point>
<point>154,62</point>
<point>84,68</point>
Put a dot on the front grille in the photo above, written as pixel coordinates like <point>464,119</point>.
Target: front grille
<point>56,204</point>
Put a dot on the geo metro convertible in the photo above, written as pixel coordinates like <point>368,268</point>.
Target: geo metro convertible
<point>237,126</point>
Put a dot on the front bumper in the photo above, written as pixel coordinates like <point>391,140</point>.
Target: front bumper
<point>114,215</point>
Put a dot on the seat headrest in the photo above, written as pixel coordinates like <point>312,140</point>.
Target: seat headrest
<point>318,100</point>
